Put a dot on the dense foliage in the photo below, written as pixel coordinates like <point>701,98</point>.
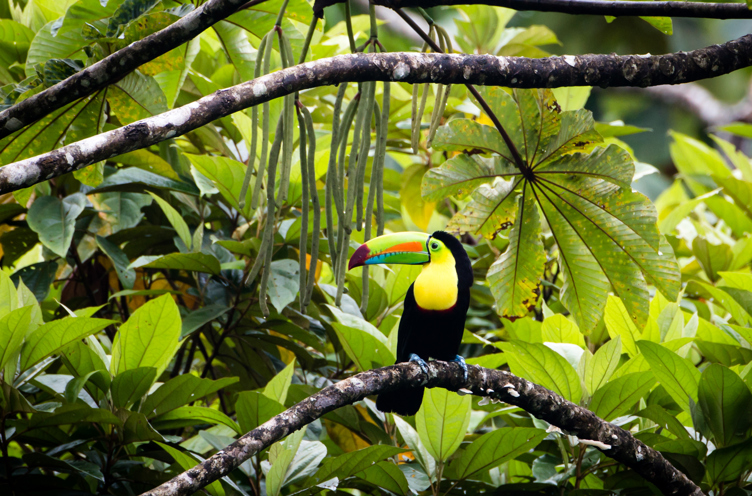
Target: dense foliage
<point>156,306</point>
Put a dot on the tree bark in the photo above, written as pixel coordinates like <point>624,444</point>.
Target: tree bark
<point>614,441</point>
<point>519,72</point>
<point>116,66</point>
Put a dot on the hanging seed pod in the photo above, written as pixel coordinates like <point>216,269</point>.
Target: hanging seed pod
<point>308,38</point>
<point>442,92</point>
<point>303,245</point>
<point>311,133</point>
<point>365,148</point>
<point>264,127</point>
<point>372,189</point>
<point>332,190</point>
<point>254,127</point>
<point>417,111</point>
<point>270,221</point>
<point>381,155</point>
<point>288,116</point>
<point>355,163</point>
<point>347,121</point>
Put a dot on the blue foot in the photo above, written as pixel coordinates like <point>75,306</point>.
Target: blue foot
<point>422,363</point>
<point>462,363</point>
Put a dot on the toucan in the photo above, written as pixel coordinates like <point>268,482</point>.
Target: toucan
<point>433,318</point>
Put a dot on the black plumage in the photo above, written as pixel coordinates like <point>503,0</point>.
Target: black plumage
<point>430,333</point>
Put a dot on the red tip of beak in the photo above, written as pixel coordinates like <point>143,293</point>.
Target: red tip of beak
<point>359,257</point>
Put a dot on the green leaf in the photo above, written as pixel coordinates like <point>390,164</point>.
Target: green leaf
<point>187,462</point>
<point>180,391</point>
<point>175,219</point>
<point>676,374</point>
<point>712,258</point>
<point>737,311</point>
<point>620,325</point>
<point>238,48</point>
<point>386,475</point>
<point>442,421</point>
<point>664,419</point>
<point>277,388</point>
<point>494,448</point>
<point>13,329</point>
<point>121,210</point>
<point>137,180</point>
<point>722,395</point>
<point>56,335</point>
<point>412,438</point>
<point>617,397</point>
<point>149,338</point>
<point>129,386</point>
<point>227,175</point>
<point>364,344</point>
<point>559,329</point>
<point>662,24</point>
<point>489,211</point>
<point>47,46</point>
<point>54,220</point>
<point>138,430</point>
<point>284,283</point>
<point>419,210</point>
<point>352,463</point>
<point>516,274</point>
<point>603,364</point>
<point>198,318</point>
<point>727,464</point>
<point>136,97</point>
<point>541,365</point>
<point>457,176</point>
<point>126,275</point>
<point>15,39</point>
<point>254,408</point>
<point>128,11</point>
<point>192,415</point>
<point>281,455</point>
<point>190,262</point>
<point>71,413</point>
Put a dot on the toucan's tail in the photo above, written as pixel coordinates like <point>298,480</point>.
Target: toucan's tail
<point>405,401</point>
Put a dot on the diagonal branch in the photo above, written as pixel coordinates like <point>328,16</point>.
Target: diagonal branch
<point>612,440</point>
<point>518,72</point>
<point>117,65</point>
<point>584,7</point>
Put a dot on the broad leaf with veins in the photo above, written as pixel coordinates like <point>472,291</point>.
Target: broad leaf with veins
<point>605,234</point>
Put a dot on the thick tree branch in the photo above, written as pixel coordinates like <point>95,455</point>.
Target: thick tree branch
<point>584,7</point>
<point>614,441</point>
<point>116,66</point>
<point>519,72</point>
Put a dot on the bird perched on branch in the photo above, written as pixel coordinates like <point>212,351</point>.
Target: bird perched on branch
<point>436,304</point>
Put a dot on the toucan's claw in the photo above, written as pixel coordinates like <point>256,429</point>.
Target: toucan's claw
<point>462,363</point>
<point>421,363</point>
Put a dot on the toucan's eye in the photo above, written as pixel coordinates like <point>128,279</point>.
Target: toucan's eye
<point>434,245</point>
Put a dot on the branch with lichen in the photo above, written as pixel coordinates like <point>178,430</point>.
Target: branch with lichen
<point>518,72</point>
<point>571,419</point>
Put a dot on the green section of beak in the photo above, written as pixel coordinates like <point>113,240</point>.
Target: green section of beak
<point>398,248</point>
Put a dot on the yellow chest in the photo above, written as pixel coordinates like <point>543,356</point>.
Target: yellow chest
<point>436,286</point>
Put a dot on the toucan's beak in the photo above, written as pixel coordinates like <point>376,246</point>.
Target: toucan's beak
<point>398,248</point>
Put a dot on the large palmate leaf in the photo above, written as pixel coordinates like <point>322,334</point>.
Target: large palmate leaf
<point>72,122</point>
<point>605,233</point>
